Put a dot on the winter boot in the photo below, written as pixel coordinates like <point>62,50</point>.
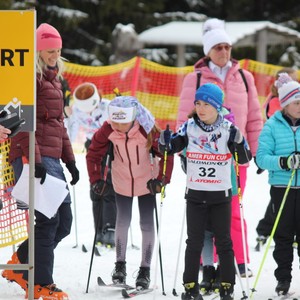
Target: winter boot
<point>208,279</point>
<point>192,292</point>
<point>216,285</point>
<point>226,291</point>
<point>11,275</point>
<point>282,287</point>
<point>119,272</point>
<point>109,236</point>
<point>143,278</point>
<point>48,292</point>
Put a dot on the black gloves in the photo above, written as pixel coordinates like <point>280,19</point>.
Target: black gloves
<point>164,140</point>
<point>154,186</point>
<point>100,188</point>
<point>259,170</point>
<point>40,172</point>
<point>183,162</point>
<point>291,162</point>
<point>235,135</point>
<point>73,171</point>
<point>87,144</point>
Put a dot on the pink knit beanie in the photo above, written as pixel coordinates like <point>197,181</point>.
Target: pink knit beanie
<point>288,89</point>
<point>47,37</point>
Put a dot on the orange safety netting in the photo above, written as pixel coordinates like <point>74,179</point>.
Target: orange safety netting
<point>156,86</point>
<point>13,225</point>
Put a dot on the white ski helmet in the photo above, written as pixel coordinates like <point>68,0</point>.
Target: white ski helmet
<point>86,97</point>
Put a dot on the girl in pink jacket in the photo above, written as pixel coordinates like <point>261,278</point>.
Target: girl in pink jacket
<point>240,97</point>
<point>136,169</point>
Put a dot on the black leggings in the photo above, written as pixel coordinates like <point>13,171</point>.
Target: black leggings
<point>124,213</point>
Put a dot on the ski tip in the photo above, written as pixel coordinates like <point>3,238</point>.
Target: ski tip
<point>83,248</point>
<point>97,252</point>
<point>125,293</point>
<point>100,281</point>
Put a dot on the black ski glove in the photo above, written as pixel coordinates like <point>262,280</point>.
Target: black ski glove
<point>40,172</point>
<point>291,162</point>
<point>154,186</point>
<point>73,171</point>
<point>164,140</point>
<point>235,135</point>
<point>100,188</point>
<point>259,170</point>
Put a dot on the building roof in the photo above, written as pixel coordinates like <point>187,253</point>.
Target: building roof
<point>241,33</point>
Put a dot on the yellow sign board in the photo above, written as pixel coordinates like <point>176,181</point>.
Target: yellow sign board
<point>17,63</point>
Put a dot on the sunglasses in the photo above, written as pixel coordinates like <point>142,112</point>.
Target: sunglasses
<point>221,47</point>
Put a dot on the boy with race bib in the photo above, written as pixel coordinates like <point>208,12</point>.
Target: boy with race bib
<point>211,142</point>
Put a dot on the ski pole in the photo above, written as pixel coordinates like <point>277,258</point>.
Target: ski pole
<point>75,218</point>
<point>95,236</point>
<point>157,228</point>
<point>273,231</point>
<point>240,279</point>
<point>179,252</point>
<point>242,217</point>
<point>162,196</point>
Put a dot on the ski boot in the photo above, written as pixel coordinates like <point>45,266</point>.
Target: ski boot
<point>119,272</point>
<point>108,238</point>
<point>99,239</point>
<point>49,291</point>
<point>192,292</point>
<point>226,291</point>
<point>216,285</point>
<point>15,276</point>
<point>143,278</point>
<point>207,280</point>
<point>282,287</point>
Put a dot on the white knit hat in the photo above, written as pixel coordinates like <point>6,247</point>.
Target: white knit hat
<point>213,34</point>
<point>288,89</point>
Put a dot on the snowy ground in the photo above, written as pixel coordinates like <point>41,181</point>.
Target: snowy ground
<point>72,265</point>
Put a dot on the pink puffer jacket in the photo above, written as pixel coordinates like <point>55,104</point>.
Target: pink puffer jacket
<point>245,106</point>
<point>131,167</point>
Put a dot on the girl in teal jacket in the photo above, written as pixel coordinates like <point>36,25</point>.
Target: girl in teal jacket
<point>279,153</point>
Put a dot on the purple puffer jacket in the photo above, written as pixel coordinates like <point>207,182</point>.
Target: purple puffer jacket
<point>245,107</point>
<point>51,135</point>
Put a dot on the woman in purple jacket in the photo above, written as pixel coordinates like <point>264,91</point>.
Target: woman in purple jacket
<point>241,98</point>
<point>52,144</point>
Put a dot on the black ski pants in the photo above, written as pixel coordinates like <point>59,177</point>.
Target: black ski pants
<point>215,206</point>
<point>288,227</point>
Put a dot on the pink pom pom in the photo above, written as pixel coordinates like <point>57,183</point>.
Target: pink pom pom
<point>283,78</point>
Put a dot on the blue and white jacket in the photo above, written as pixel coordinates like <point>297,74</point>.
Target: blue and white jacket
<point>209,152</point>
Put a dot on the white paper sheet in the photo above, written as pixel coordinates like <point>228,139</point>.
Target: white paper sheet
<point>48,196</point>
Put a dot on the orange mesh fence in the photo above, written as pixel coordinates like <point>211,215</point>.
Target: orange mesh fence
<point>156,86</point>
<point>13,228</point>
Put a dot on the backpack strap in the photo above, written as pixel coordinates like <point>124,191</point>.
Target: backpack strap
<point>244,79</point>
<point>198,80</point>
